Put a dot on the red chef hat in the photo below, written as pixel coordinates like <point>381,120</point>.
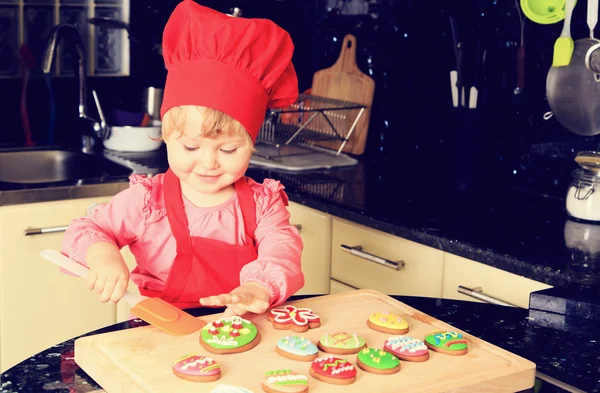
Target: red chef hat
<point>239,66</point>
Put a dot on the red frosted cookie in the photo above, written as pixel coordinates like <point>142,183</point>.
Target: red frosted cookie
<point>197,368</point>
<point>296,319</point>
<point>333,370</point>
<point>285,381</point>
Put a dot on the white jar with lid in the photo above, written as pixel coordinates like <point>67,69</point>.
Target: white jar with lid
<point>583,196</point>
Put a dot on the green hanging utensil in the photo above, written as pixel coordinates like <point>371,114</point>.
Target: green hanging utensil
<point>544,12</point>
<point>564,45</point>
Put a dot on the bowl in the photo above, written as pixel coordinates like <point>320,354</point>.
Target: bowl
<point>134,139</point>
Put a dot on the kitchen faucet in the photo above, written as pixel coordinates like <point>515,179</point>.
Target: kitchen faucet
<point>56,35</point>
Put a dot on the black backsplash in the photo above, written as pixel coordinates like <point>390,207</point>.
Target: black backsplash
<point>405,45</point>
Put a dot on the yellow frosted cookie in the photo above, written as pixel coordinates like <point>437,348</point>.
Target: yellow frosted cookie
<point>386,322</point>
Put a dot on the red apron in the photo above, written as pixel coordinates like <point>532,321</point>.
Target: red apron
<point>204,267</point>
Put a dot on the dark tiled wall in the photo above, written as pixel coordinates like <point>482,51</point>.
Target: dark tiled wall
<point>408,50</point>
<point>147,21</point>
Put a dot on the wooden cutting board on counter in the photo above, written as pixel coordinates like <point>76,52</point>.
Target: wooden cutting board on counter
<point>140,359</point>
<point>345,81</point>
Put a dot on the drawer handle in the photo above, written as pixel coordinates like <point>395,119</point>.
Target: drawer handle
<point>41,231</point>
<point>478,294</point>
<point>60,228</point>
<point>357,251</point>
<point>298,227</point>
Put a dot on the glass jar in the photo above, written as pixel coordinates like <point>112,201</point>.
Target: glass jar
<point>582,240</point>
<point>583,196</point>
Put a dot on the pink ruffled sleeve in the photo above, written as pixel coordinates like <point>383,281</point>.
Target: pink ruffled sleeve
<point>116,222</point>
<point>279,245</point>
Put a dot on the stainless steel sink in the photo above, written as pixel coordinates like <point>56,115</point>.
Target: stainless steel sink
<point>56,165</point>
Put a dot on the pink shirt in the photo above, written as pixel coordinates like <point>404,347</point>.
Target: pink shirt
<point>136,217</point>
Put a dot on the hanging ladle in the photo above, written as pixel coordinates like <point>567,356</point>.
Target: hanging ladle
<point>592,57</point>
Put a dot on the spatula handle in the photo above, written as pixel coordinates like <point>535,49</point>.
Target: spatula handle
<point>569,6</point>
<point>76,268</point>
<point>592,16</point>
<point>65,262</point>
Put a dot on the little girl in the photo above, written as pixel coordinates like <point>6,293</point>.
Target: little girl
<point>202,233</point>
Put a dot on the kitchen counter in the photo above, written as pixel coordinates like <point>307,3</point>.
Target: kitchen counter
<point>515,223</point>
<point>501,225</point>
<point>562,358</point>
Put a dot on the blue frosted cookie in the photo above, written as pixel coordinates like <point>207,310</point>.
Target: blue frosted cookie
<point>297,348</point>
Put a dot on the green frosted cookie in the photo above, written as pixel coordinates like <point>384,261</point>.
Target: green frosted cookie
<point>341,343</point>
<point>378,361</point>
<point>228,335</point>
<point>451,343</point>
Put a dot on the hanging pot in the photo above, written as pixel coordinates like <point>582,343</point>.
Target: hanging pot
<point>573,92</point>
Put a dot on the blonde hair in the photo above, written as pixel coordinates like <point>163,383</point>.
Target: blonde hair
<point>215,123</point>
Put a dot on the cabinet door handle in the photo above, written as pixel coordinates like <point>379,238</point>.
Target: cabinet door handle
<point>479,295</point>
<point>298,227</point>
<point>357,251</point>
<point>41,231</point>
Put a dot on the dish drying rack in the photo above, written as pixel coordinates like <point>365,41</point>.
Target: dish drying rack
<point>289,136</point>
<point>335,187</point>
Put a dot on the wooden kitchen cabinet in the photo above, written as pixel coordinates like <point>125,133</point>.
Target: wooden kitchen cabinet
<point>421,274</point>
<point>315,230</point>
<point>338,287</point>
<point>491,281</point>
<point>39,305</point>
<point>122,308</point>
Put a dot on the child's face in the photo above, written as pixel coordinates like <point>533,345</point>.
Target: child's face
<point>208,165</point>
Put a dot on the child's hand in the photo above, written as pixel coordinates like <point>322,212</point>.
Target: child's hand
<point>249,297</point>
<point>109,274</point>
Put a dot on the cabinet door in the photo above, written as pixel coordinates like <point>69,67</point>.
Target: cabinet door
<point>338,287</point>
<point>496,283</point>
<point>39,305</point>
<point>122,311</point>
<point>315,230</point>
<point>421,274</point>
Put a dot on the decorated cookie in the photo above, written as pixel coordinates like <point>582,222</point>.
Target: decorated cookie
<point>229,389</point>
<point>385,322</point>
<point>285,381</point>
<point>297,348</point>
<point>377,361</point>
<point>407,348</point>
<point>229,335</point>
<point>296,319</point>
<point>341,343</point>
<point>450,343</point>
<point>197,368</point>
<point>333,370</point>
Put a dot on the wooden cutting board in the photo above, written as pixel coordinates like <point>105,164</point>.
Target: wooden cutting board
<point>140,359</point>
<point>345,81</point>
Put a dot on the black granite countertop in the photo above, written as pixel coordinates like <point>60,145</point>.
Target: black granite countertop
<point>562,357</point>
<point>503,224</point>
